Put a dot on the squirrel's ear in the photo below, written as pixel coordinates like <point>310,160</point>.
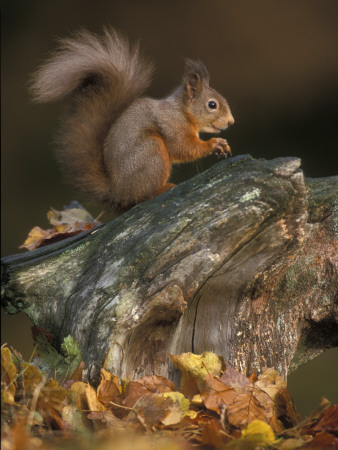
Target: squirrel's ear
<point>195,77</point>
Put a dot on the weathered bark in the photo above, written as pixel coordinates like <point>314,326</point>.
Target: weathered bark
<point>240,260</point>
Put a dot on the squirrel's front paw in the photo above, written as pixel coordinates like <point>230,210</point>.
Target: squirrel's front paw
<point>221,147</point>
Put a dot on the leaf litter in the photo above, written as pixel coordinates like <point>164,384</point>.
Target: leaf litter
<point>72,220</point>
<point>47,407</point>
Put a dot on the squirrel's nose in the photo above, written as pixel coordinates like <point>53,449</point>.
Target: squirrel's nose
<point>231,121</point>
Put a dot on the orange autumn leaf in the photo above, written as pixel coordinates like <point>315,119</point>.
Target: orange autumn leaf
<point>8,376</point>
<point>145,386</point>
<point>93,402</point>
<point>66,223</point>
<point>216,394</point>
<point>108,393</point>
<point>244,409</point>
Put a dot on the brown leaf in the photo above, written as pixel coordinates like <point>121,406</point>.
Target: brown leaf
<point>106,418</point>
<point>155,383</point>
<point>67,223</point>
<point>134,392</point>
<point>108,392</point>
<point>55,395</point>
<point>152,409</point>
<point>36,331</point>
<point>270,382</point>
<point>214,393</point>
<point>286,407</point>
<point>234,379</point>
<point>77,374</point>
<point>323,441</point>
<point>51,402</point>
<point>145,386</point>
<point>212,434</point>
<point>173,415</point>
<point>244,409</point>
<point>328,421</point>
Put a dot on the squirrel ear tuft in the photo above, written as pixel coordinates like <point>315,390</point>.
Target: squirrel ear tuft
<point>195,76</point>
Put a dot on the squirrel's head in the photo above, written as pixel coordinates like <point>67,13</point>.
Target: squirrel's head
<point>205,107</point>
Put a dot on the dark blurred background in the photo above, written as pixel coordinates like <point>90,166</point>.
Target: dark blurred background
<point>275,62</point>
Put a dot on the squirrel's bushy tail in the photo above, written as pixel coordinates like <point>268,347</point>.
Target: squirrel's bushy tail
<point>104,75</point>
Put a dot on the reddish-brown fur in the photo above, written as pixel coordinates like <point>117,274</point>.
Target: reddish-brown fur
<point>115,145</point>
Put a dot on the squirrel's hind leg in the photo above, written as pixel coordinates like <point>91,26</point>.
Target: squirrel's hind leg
<point>147,175</point>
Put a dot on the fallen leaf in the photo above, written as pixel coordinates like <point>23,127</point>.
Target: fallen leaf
<point>292,444</point>
<point>198,366</point>
<point>323,441</point>
<point>106,418</point>
<point>31,378</point>
<point>173,415</point>
<point>69,216</point>
<point>77,393</point>
<point>36,237</point>
<point>8,376</point>
<point>134,392</point>
<point>244,409</point>
<point>216,394</point>
<point>212,434</point>
<point>327,422</point>
<point>261,428</point>
<point>93,403</point>
<point>108,392</point>
<point>234,379</point>
<point>152,409</point>
<point>144,386</point>
<point>155,383</point>
<point>74,219</point>
<point>51,402</point>
<point>178,397</point>
<point>195,368</point>
<point>74,418</point>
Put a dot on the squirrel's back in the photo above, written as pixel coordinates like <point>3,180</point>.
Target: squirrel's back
<point>104,76</point>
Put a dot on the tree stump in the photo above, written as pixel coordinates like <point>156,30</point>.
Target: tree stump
<point>240,260</point>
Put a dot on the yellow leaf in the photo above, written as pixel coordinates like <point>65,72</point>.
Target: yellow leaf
<point>78,395</point>
<point>35,237</point>
<point>191,414</point>
<point>93,402</point>
<point>179,398</point>
<point>197,400</point>
<point>8,376</point>
<point>106,376</point>
<point>8,395</point>
<point>198,366</point>
<point>258,427</point>
<point>31,378</point>
<point>7,365</point>
<point>55,395</point>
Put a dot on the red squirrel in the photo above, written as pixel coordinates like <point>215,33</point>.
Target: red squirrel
<point>115,145</point>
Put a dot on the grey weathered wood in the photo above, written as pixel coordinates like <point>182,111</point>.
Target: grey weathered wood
<point>240,260</point>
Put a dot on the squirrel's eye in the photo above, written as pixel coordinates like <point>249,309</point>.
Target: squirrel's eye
<point>212,104</point>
